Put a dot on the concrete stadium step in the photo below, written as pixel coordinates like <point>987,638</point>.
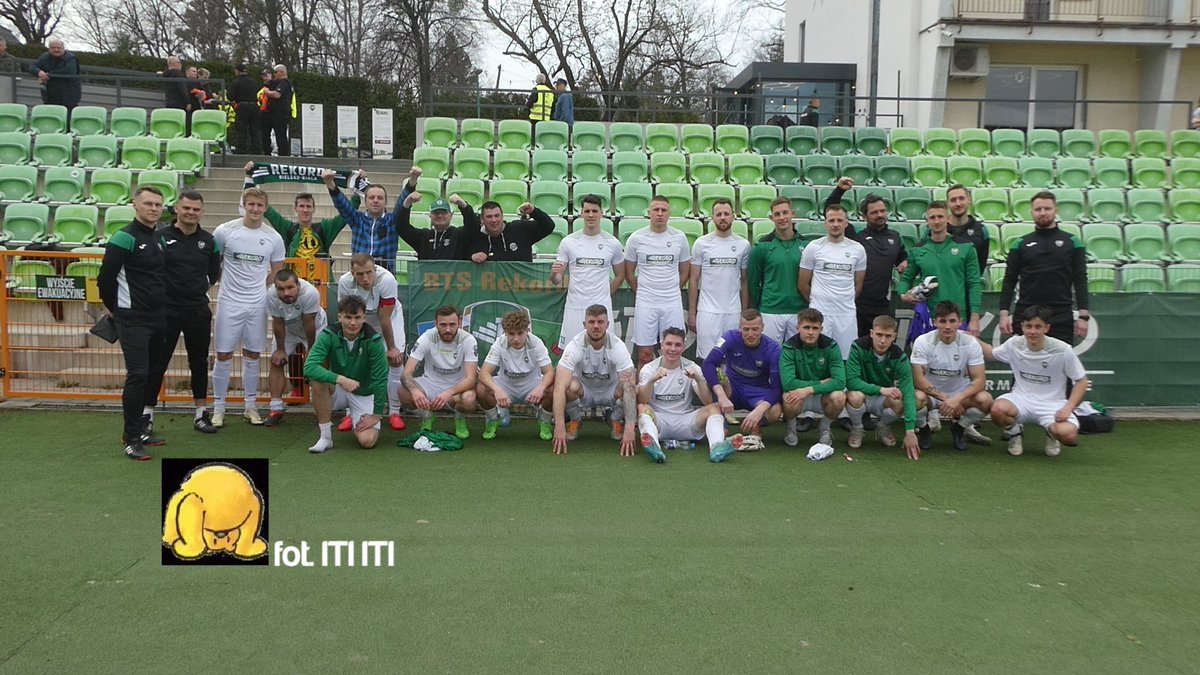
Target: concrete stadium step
<point>72,336</point>
<point>177,379</point>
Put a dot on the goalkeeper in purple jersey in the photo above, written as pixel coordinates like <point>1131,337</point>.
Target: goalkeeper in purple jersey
<point>750,362</point>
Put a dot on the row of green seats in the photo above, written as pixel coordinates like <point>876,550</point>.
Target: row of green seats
<point>67,184</point>
<point>1075,172</point>
<point>444,132</point>
<point>1141,205</point>
<point>90,120</point>
<point>1130,278</point>
<point>69,225</point>
<point>136,152</point>
<point>1049,143</point>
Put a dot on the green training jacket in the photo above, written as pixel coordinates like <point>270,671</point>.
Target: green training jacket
<point>771,275</point>
<point>869,373</point>
<point>366,363</point>
<point>956,266</point>
<point>803,366</point>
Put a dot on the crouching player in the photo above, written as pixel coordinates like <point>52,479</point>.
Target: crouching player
<point>750,361</point>
<point>510,374</point>
<point>665,409</point>
<point>1041,367</point>
<point>592,364</point>
<point>451,358</point>
<point>813,376</point>
<point>879,380</point>
<point>297,317</point>
<point>355,377</point>
<point>949,377</point>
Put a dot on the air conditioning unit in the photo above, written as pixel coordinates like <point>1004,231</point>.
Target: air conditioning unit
<point>969,62</point>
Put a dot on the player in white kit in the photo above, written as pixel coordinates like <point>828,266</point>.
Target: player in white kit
<point>949,376</point>
<point>832,270</point>
<point>451,358</point>
<point>252,255</point>
<point>657,265</point>
<point>587,375</point>
<point>378,290</point>
<point>717,290</point>
<point>517,369</point>
<point>1041,367</point>
<point>595,263</point>
<point>294,306</point>
<point>666,388</point>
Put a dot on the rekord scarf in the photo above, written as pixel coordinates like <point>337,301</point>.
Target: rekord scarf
<point>269,172</point>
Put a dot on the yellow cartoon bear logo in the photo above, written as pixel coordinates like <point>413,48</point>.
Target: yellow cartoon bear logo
<point>217,509</point>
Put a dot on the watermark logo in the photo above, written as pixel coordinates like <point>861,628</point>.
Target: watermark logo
<point>214,512</point>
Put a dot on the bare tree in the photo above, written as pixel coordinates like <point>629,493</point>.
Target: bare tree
<point>35,20</point>
<point>424,37</point>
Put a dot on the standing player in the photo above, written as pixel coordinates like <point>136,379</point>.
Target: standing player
<point>771,274</point>
<point>717,290</point>
<point>590,256</point>
<point>879,380</point>
<point>751,367</point>
<point>252,255</point>
<point>832,269</point>
<point>1042,367</point>
<point>451,358</point>
<point>510,375</point>
<point>952,261</point>
<point>665,409</point>
<point>377,288</point>
<point>587,375</point>
<point>297,316</point>
<point>964,226</point>
<point>948,375</point>
<point>661,252</point>
<point>355,378</point>
<point>813,377</point>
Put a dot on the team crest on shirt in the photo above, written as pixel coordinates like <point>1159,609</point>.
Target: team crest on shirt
<point>262,242</point>
<point>954,251</point>
<point>1058,243</point>
<point>758,363</point>
<point>956,357</point>
<point>971,231</point>
<point>821,361</point>
<point>891,242</point>
<point>679,381</point>
<point>1044,364</point>
<point>201,244</point>
<point>847,254</point>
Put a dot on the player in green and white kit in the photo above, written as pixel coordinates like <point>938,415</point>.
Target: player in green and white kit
<point>772,271</point>
<point>952,260</point>
<point>517,369</point>
<point>879,380</point>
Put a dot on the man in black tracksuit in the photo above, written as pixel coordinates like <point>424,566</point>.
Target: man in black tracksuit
<point>442,241</point>
<point>247,122</point>
<point>963,226</point>
<point>1047,264</point>
<point>132,289</point>
<point>510,241</point>
<point>193,263</point>
<point>885,252</point>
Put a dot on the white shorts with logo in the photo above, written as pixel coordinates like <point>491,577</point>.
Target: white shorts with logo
<point>238,324</point>
<point>434,386</point>
<point>650,322</point>
<point>677,427</point>
<point>357,406</point>
<point>1031,410</point>
<point>779,327</point>
<point>572,324</point>
<point>518,388</point>
<point>710,326</point>
<point>843,329</point>
<point>594,397</point>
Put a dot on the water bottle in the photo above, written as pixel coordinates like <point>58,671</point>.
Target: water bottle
<point>505,417</point>
<point>679,445</point>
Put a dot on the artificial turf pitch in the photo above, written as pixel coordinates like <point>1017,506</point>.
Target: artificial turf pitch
<point>509,559</point>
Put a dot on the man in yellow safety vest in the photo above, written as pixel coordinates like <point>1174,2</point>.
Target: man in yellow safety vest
<point>541,101</point>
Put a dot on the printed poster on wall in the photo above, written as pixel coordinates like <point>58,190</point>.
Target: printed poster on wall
<point>347,129</point>
<point>381,130</point>
<point>312,125</point>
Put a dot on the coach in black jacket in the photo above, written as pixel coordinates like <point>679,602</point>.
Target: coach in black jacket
<point>443,241</point>
<point>513,241</point>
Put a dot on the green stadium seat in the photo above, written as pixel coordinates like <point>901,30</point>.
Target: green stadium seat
<point>1147,242</point>
<point>13,117</point>
<point>908,233</point>
<point>819,169</point>
<point>509,194</point>
<point>1149,172</point>
<point>823,194</point>
<point>1102,277</point>
<point>1185,205</point>
<point>126,122</point>
<point>681,196</point>
<point>740,229</point>
<point>1045,143</point>
<point>632,199</point>
<point>589,136</point>
<point>707,168</point>
<point>431,190</point>
<point>696,138</point>
<point>732,139</point>
<point>1184,240</point>
<point>75,224</point>
<point>967,171</point>
<point>690,227</point>
<point>167,123</point>
<point>167,181</point>
<point>550,196</point>
<point>15,147</point>
<point>89,120</point>
<point>1183,279</point>
<point>1185,143</point>
<point>140,153</point>
<point>668,166</point>
<point>1104,242</point>
<point>993,276</point>
<point>630,166</point>
<point>1107,205</point>
<point>995,243</point>
<point>470,162</point>
<point>53,149</point>
<point>511,164</point>
<point>477,134</point>
<point>589,165</point>
<point>1010,232</point>
<point>783,169</point>
<point>111,186</point>
<point>1147,205</point>
<point>64,185</point>
<point>662,138</point>
<point>767,139</point>
<point>892,170</point>
<point>551,135</point>
<point>1020,202</point>
<point>802,140</point>
<point>911,203</point>
<point>745,168</point>
<point>1070,204</point>
<point>1001,171</point>
<point>809,230</point>
<point>440,132</point>
<point>991,204</point>
<point>626,137</point>
<point>209,125</point>
<point>1036,172</point>
<point>18,183</point>
<point>186,154</point>
<point>117,217</point>
<point>755,200</point>
<point>974,142</point>
<point>630,225</point>
<point>928,171</point>
<point>550,243</point>
<point>860,168</point>
<point>602,190</point>
<point>1142,278</point>
<point>1073,229</point>
<point>870,141</point>
<point>514,135</point>
<point>97,152</point>
<point>470,189</point>
<point>48,119</point>
<point>707,194</point>
<point>549,165</point>
<point>837,141</point>
<point>1079,143</point>
<point>1074,172</point>
<point>803,198</point>
<point>859,194</point>
<point>941,142</point>
<point>1111,172</point>
<point>1115,143</point>
<point>606,224</point>
<point>433,161</point>
<point>760,229</point>
<point>25,224</point>
<point>1150,143</point>
<point>1008,143</point>
<point>1185,172</point>
<point>89,268</point>
<point>905,142</point>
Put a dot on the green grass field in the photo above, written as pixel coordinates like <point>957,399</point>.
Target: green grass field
<point>509,559</point>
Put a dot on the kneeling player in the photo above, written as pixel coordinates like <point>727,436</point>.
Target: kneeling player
<point>1041,367</point>
<point>510,375</point>
<point>813,376</point>
<point>451,358</point>
<point>879,380</point>
<point>665,409</point>
<point>592,364</point>
<point>355,379</point>
<point>297,317</point>
<point>751,367</point>
<point>949,378</point>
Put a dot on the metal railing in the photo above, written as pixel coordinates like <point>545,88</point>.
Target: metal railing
<point>1109,11</point>
<point>108,87</point>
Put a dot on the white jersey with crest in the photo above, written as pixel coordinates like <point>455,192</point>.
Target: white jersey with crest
<point>383,290</point>
<point>596,368</point>
<point>658,256</point>
<point>307,302</point>
<point>946,365</point>
<point>673,393</point>
<point>518,364</point>
<point>722,260</point>
<point>445,361</point>
<point>833,266</point>
<point>589,259</point>
<point>1041,375</point>
<point>247,255</point>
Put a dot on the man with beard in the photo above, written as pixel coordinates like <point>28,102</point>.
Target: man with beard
<point>717,289</point>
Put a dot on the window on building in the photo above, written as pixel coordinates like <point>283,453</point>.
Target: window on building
<point>1027,97</point>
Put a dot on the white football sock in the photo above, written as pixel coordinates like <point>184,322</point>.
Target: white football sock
<point>250,373</point>
<point>147,410</point>
<point>646,425</point>
<point>887,417</point>
<point>491,413</point>
<point>276,405</point>
<point>922,418</point>
<point>971,417</point>
<point>395,382</point>
<point>714,429</point>
<point>199,412</point>
<point>220,377</point>
<point>824,424</point>
<point>544,415</point>
<point>326,430</point>
<point>856,414</point>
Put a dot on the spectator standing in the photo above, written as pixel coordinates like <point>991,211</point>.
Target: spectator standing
<point>811,117</point>
<point>8,64</point>
<point>58,71</point>
<point>247,121</point>
<point>176,87</point>
<point>279,105</point>
<point>564,103</point>
<point>263,109</point>
<point>541,101</point>
<point>513,241</point>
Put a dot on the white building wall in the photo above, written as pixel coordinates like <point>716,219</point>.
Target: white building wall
<point>836,31</point>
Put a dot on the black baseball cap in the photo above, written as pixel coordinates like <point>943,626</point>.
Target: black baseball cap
<point>239,68</point>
